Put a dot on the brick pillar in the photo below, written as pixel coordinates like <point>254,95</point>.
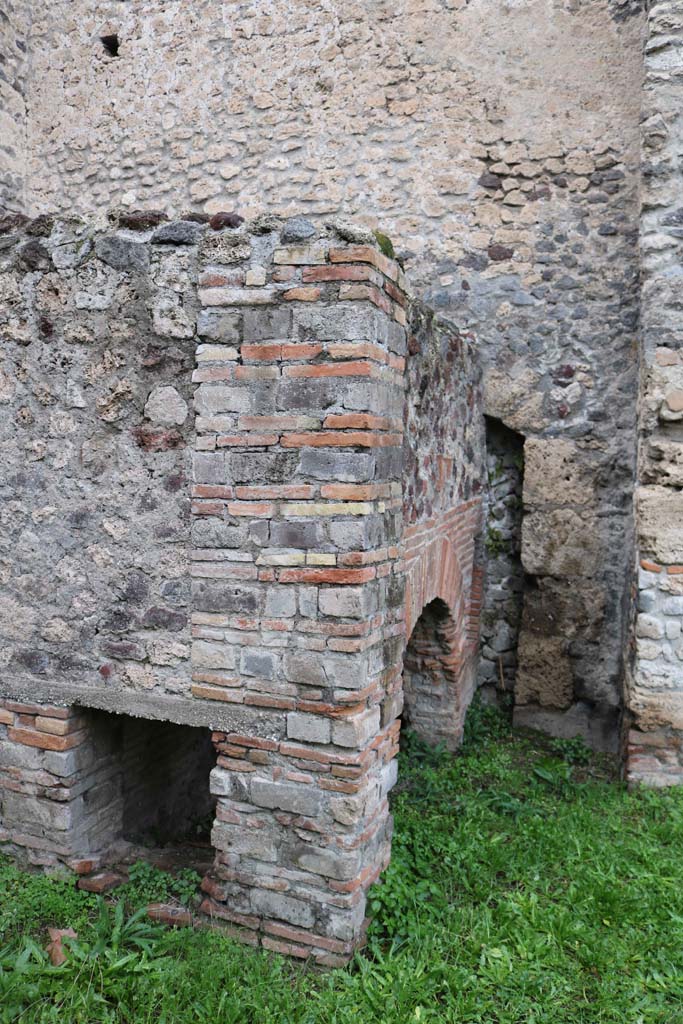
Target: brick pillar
<point>298,596</point>
<point>60,796</point>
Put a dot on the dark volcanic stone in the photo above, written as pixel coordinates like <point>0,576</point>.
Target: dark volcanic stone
<point>142,220</point>
<point>489,180</point>
<point>498,253</point>
<point>225,220</point>
<point>180,232</point>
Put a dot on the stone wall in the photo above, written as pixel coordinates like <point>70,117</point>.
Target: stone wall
<point>15,22</point>
<point>98,335</point>
<point>498,141</point>
<point>655,753</point>
<point>282,499</point>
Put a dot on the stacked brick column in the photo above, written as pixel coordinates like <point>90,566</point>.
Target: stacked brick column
<point>298,603</point>
<point>59,793</point>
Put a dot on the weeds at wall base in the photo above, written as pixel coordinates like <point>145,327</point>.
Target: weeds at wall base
<point>525,886</point>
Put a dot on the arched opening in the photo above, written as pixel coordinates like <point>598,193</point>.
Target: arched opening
<point>438,681</point>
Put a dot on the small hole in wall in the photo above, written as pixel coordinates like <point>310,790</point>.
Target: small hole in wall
<point>111,45</point>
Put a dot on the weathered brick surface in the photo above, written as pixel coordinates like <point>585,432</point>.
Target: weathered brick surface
<point>310,493</point>
<point>322,644</point>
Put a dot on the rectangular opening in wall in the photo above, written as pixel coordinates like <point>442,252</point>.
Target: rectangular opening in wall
<point>163,810</point>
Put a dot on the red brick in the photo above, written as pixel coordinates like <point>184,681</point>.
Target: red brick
<point>212,491</point>
<point>217,693</point>
<point>212,373</point>
<point>258,509</point>
<point>353,368</point>
<point>301,295</point>
<point>396,294</point>
<point>103,881</point>
<point>358,421</point>
<point>287,948</point>
<point>235,279</point>
<point>265,352</point>
<point>650,566</point>
<point>369,292</point>
<point>354,492</point>
<point>234,765</point>
<point>326,575</point>
<point>341,439</point>
<point>286,931</point>
<point>47,710</point>
<point>339,273</point>
<point>207,508</point>
<point>215,679</point>
<point>301,351</point>
<point>252,741</point>
<point>169,914</point>
<point>357,350</point>
<point>31,738</point>
<point>365,254</point>
<point>6,717</point>
<point>260,700</point>
<point>365,557</point>
<point>214,909</point>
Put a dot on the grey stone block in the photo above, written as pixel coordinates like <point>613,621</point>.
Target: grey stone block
<point>341,467</point>
<point>220,325</point>
<point>262,467</point>
<point>180,232</point>
<point>209,468</point>
<point>306,395</point>
<point>212,533</point>
<point>329,863</point>
<point>214,399</point>
<point>305,667</point>
<point>256,662</point>
<point>280,602</point>
<point>297,534</point>
<point>229,784</point>
<point>281,796</point>
<point>310,728</point>
<point>122,253</point>
<point>230,599</point>
<point>358,730</point>
<point>234,839</point>
<point>308,602</point>
<point>267,324</point>
<point>297,229</point>
<point>212,655</point>
<point>345,321</point>
<point>285,908</point>
<point>348,602</point>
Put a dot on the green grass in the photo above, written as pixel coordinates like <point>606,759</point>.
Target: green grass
<point>526,887</point>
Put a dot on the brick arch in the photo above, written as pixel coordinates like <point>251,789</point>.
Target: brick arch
<point>443,594</point>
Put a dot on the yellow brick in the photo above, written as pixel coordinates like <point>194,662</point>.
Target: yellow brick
<point>320,558</point>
